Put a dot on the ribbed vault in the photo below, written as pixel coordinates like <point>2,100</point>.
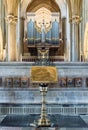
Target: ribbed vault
<point>37,4</point>
<point>11,6</point>
<point>75,7</point>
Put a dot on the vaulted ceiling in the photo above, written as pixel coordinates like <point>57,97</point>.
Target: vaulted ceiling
<point>52,5</point>
<point>75,7</point>
<point>49,4</point>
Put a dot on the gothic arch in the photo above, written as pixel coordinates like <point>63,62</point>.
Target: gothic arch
<point>61,4</point>
<point>63,8</point>
<point>55,6</point>
<point>49,4</point>
<point>69,8</point>
<point>74,7</point>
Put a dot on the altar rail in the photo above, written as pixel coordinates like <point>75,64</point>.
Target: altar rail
<point>34,58</point>
<point>50,110</point>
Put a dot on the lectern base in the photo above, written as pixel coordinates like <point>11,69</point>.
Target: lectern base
<point>44,122</point>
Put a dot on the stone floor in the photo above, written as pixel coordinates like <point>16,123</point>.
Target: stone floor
<point>83,117</point>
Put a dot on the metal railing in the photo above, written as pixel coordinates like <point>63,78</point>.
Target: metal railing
<point>50,110</point>
<point>51,58</point>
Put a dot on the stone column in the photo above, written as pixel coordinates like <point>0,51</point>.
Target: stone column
<point>64,38</point>
<point>20,34</point>
<point>75,7</point>
<point>2,30</point>
<point>1,39</point>
<point>70,41</point>
<point>75,40</point>
<point>11,21</point>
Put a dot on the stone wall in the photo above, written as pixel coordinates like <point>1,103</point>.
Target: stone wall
<point>63,97</point>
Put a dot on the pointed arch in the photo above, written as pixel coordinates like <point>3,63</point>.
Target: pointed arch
<point>49,4</point>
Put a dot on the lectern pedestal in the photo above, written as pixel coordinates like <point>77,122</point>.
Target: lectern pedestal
<point>43,75</point>
<point>43,121</point>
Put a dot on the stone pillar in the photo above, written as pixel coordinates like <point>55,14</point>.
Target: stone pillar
<point>64,38</point>
<point>75,7</point>
<point>1,39</point>
<point>20,34</point>
<point>2,29</point>
<point>75,39</point>
<point>11,21</point>
<point>70,41</point>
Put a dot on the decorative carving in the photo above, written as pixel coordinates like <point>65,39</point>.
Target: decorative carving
<point>24,82</point>
<point>43,53</point>
<point>11,19</point>
<point>62,82</point>
<point>9,82</point>
<point>78,82</point>
<point>16,82</point>
<point>75,19</point>
<point>70,82</point>
<point>48,76</point>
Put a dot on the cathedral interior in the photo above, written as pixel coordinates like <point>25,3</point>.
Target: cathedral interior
<point>43,64</point>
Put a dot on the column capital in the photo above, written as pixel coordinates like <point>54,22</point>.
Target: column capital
<point>22,18</point>
<point>11,19</point>
<point>76,19</point>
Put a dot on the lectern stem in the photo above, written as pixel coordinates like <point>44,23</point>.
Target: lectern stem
<point>43,121</point>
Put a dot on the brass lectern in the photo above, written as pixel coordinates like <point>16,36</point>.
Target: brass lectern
<point>43,75</point>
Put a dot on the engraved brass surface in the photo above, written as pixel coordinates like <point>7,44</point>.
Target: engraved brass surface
<point>44,121</point>
<point>45,74</point>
